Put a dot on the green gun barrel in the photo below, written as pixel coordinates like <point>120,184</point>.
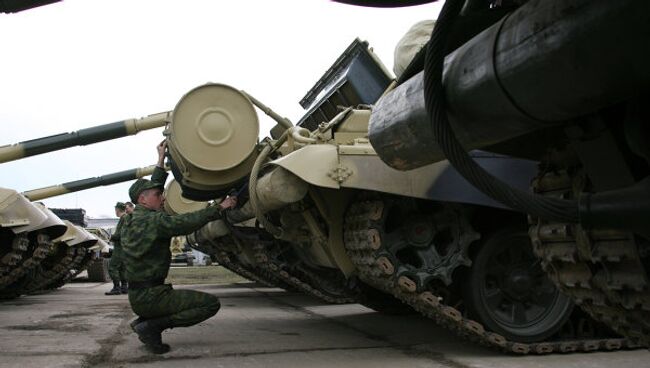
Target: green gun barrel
<point>83,184</point>
<point>82,137</point>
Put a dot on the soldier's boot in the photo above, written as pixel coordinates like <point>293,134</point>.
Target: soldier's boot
<point>136,321</point>
<point>125,287</point>
<point>150,333</point>
<point>116,290</point>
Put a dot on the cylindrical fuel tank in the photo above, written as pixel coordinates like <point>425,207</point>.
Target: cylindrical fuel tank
<point>212,140</point>
<point>546,63</point>
<point>175,203</point>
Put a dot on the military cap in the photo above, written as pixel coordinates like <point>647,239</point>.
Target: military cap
<point>140,186</point>
<point>120,206</point>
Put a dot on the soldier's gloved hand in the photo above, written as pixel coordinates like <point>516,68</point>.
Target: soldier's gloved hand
<point>229,202</point>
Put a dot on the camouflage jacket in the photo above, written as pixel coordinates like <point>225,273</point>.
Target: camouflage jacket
<point>159,175</point>
<point>146,237</point>
<point>116,237</point>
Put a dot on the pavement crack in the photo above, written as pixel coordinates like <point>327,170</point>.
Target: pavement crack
<point>107,345</point>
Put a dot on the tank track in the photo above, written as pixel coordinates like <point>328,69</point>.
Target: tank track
<point>12,269</point>
<point>267,260</point>
<point>224,259</point>
<point>43,278</point>
<point>600,270</point>
<point>11,259</point>
<point>214,249</point>
<point>78,265</point>
<point>365,250</point>
<point>270,271</point>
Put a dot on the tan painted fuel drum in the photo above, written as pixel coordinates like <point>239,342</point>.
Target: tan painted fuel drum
<point>175,203</point>
<point>213,136</point>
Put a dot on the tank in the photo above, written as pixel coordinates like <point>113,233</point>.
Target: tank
<point>323,214</point>
<point>544,82</point>
<point>34,252</point>
<point>51,265</point>
<point>97,265</point>
<point>69,255</point>
<point>28,233</point>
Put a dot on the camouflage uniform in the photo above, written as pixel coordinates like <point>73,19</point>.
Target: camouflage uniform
<point>146,238</point>
<point>116,267</point>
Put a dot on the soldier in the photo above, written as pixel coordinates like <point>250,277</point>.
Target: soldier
<point>129,207</point>
<point>146,235</point>
<point>116,269</point>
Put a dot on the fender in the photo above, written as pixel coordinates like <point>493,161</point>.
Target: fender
<point>358,167</point>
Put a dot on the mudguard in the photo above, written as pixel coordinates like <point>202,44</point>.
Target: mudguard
<point>358,167</point>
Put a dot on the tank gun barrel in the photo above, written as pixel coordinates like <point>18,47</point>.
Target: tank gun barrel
<point>83,184</point>
<point>82,137</point>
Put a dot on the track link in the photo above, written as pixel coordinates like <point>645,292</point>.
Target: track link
<point>268,270</point>
<point>600,270</point>
<point>216,250</point>
<point>15,269</point>
<point>58,271</point>
<point>363,243</point>
<point>269,262</point>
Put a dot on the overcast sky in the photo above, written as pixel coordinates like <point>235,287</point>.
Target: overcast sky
<point>80,63</point>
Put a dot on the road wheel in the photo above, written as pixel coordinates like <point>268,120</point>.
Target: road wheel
<point>508,291</point>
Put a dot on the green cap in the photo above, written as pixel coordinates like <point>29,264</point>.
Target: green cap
<point>140,186</point>
<point>120,206</point>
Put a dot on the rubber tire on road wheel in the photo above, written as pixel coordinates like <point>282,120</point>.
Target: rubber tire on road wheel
<point>548,322</point>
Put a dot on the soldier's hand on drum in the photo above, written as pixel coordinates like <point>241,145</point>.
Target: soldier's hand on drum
<point>161,152</point>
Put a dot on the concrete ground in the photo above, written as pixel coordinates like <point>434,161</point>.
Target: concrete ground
<point>77,326</point>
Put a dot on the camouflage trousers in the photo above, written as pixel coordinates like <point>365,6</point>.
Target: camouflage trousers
<point>116,266</point>
<point>183,307</point>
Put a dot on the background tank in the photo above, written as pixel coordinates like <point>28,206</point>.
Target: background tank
<point>339,224</point>
<point>71,260</point>
<point>28,233</point>
<point>34,253</point>
<point>573,101</point>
